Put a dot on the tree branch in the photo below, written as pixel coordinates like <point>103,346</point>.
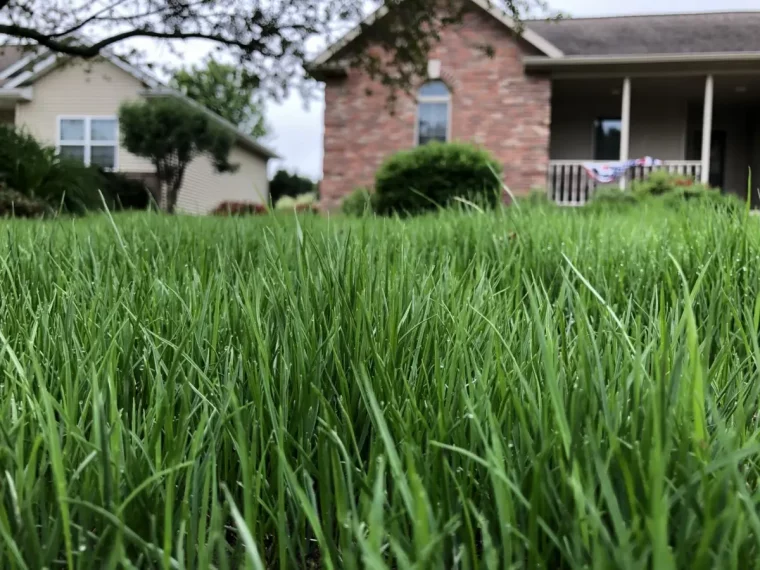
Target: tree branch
<point>92,50</point>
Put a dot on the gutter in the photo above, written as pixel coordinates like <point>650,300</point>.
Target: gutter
<point>569,61</point>
<point>242,138</point>
<point>16,94</point>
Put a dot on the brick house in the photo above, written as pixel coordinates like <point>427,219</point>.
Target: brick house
<point>683,89</point>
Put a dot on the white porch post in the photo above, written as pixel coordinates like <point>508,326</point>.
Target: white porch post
<point>625,125</point>
<point>707,130</point>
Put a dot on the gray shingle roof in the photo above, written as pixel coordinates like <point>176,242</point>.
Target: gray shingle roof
<point>672,33</point>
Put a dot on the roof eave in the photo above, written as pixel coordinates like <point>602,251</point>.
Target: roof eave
<point>24,94</point>
<point>548,64</point>
<point>327,71</point>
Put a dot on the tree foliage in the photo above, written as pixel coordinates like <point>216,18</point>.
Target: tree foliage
<point>171,134</point>
<point>286,184</point>
<point>268,38</point>
<point>227,90</point>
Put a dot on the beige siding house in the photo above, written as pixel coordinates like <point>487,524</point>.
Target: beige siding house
<point>74,104</point>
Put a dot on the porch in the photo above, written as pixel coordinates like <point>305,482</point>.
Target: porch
<point>705,127</point>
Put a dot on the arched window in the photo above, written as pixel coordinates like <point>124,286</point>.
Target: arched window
<point>433,112</point>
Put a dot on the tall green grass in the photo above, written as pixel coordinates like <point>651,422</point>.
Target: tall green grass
<point>533,388</point>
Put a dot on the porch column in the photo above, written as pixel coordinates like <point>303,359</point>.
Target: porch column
<point>625,125</point>
<point>707,130</point>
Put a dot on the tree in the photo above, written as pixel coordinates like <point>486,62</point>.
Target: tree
<point>286,184</point>
<point>269,38</point>
<point>171,134</point>
<point>228,91</point>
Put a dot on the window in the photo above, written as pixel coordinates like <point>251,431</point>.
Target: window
<point>607,139</point>
<point>93,140</point>
<point>433,110</point>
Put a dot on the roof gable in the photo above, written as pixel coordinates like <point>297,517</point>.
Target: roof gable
<point>530,36</point>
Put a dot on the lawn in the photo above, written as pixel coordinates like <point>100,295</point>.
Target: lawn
<point>525,389</point>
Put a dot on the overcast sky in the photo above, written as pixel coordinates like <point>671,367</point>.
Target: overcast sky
<point>297,131</point>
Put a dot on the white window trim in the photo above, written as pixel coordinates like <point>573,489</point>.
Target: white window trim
<point>88,143</point>
<point>432,99</point>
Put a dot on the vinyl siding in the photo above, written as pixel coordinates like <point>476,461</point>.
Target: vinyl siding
<point>203,189</point>
<point>81,88</point>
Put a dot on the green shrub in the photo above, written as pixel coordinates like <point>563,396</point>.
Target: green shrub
<point>123,192</point>
<point>659,183</point>
<point>613,198</point>
<point>15,205</point>
<point>36,171</point>
<point>286,184</point>
<point>432,175</point>
<point>358,203</point>
<point>302,203</point>
<point>664,189</point>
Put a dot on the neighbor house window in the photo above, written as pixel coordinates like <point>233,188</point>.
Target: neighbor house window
<point>93,140</point>
<point>433,111</point>
<point>607,139</point>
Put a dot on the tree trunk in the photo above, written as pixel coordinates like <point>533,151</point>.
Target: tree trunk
<point>174,189</point>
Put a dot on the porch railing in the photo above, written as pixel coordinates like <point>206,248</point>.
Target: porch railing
<point>569,184</point>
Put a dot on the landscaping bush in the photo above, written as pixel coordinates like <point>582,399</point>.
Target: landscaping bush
<point>612,198</point>
<point>358,203</point>
<point>286,184</point>
<point>36,171</point>
<point>15,205</point>
<point>303,203</point>
<point>123,192</point>
<point>432,175</point>
<point>661,188</point>
<point>239,209</point>
<point>661,182</point>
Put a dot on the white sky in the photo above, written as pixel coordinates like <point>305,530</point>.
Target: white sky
<point>297,131</point>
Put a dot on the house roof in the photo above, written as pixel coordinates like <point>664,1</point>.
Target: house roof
<point>715,32</point>
<point>531,36</point>
<point>43,63</point>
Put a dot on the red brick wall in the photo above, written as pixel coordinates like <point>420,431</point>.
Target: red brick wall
<point>493,104</point>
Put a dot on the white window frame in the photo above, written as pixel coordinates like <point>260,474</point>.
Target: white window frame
<point>88,143</point>
<point>432,99</point>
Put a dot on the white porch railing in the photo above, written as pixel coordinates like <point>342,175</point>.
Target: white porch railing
<point>569,184</point>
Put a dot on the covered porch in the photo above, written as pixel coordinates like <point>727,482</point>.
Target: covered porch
<point>705,126</point>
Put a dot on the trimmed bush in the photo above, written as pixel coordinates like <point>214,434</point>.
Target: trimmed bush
<point>36,171</point>
<point>431,176</point>
<point>358,203</point>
